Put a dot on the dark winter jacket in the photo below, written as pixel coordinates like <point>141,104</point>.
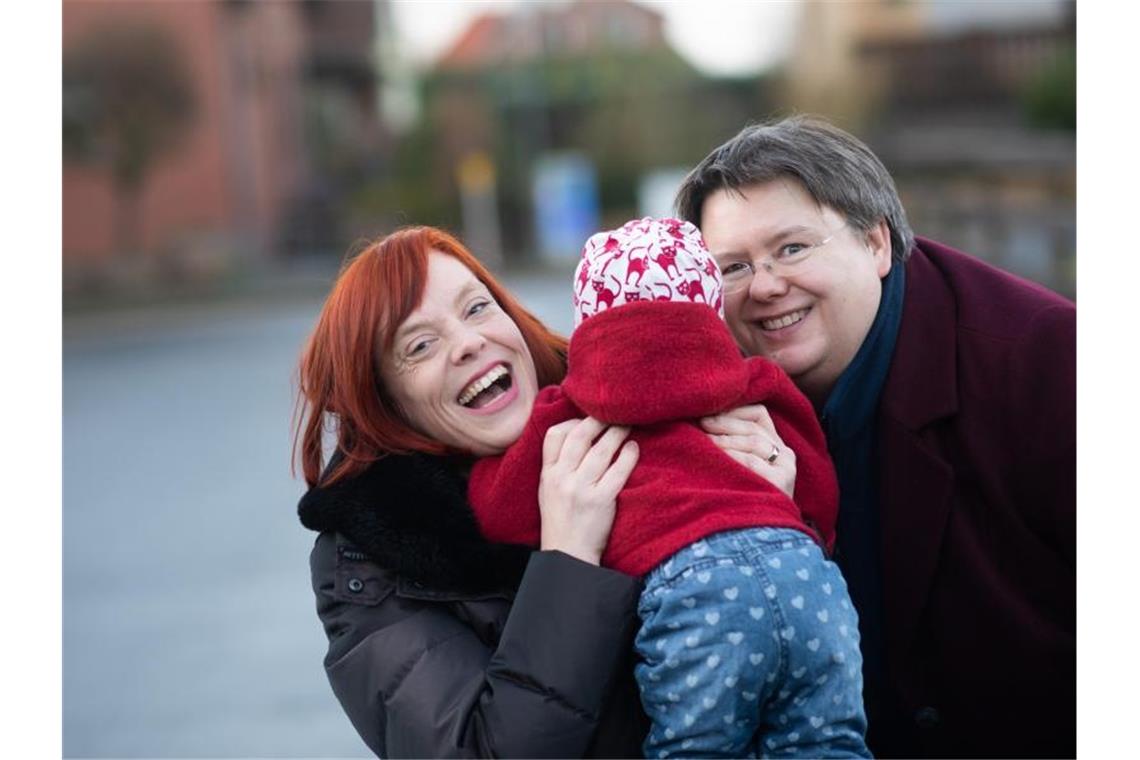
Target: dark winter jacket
<point>977,472</point>
<point>442,644</point>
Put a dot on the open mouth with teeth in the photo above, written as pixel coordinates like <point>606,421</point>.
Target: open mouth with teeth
<point>486,389</point>
<point>786,320</point>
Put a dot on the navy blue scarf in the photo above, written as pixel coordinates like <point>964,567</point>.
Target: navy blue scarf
<point>849,422</point>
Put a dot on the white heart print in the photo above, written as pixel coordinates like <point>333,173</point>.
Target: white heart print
<point>712,618</point>
<point>731,593</point>
<point>735,638</point>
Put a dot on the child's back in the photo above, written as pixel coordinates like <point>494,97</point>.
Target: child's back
<point>747,630</point>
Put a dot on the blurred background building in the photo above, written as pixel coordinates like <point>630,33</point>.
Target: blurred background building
<point>207,141</point>
<point>204,138</point>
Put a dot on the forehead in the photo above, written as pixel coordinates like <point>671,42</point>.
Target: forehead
<point>446,273</point>
<point>447,282</point>
<point>729,216</point>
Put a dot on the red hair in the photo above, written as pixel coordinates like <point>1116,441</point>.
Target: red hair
<point>339,378</point>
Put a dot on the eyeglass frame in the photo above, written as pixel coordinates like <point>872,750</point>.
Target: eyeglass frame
<point>772,267</point>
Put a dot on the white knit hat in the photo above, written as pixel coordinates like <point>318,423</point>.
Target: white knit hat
<point>646,260</point>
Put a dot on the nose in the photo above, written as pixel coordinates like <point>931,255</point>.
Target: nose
<point>765,285</point>
<point>466,343</point>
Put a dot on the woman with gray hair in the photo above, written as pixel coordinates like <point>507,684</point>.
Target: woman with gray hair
<point>946,389</point>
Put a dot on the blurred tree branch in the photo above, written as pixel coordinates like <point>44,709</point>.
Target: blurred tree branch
<point>127,100</point>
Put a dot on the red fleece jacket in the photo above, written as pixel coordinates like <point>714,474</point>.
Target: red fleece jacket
<point>659,366</point>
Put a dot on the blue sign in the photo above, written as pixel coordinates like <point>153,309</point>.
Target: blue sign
<point>565,204</point>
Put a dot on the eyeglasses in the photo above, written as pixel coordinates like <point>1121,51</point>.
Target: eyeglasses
<point>784,262</point>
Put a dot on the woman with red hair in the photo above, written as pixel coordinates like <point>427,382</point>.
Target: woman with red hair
<point>442,643</point>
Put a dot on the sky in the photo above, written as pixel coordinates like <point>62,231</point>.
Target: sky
<point>719,37</point>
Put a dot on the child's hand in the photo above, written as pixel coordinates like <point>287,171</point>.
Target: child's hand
<point>748,435</point>
<point>581,479</point>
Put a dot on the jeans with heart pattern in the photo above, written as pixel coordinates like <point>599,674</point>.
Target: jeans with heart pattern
<point>749,647</point>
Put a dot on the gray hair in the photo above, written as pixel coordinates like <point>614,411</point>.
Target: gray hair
<point>835,168</point>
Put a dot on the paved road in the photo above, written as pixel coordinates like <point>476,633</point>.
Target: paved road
<point>188,622</point>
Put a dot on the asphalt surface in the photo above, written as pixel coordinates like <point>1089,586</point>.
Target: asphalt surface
<point>189,626</point>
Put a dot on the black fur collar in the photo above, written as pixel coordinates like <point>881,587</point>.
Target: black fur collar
<point>410,514</point>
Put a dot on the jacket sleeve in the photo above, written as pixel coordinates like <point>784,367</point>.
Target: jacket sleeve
<point>1043,392</point>
<point>417,680</point>
<point>503,490</point>
<point>817,489</point>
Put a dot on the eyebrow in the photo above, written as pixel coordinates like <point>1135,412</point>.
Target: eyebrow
<point>771,240</point>
<point>411,327</point>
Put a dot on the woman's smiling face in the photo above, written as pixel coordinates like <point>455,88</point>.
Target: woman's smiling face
<point>811,322</point>
<point>458,366</point>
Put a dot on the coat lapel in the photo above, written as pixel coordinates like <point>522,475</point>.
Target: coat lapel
<point>916,498</point>
<point>916,483</point>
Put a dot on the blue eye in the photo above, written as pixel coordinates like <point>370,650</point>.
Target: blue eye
<point>477,308</point>
<point>736,269</point>
<point>791,250</point>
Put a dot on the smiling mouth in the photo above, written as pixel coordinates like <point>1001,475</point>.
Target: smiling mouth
<point>786,320</point>
<point>487,388</point>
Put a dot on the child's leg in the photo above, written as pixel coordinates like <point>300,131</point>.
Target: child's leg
<point>706,645</point>
<point>817,709</point>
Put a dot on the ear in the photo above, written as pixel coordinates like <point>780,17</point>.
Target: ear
<point>879,243</point>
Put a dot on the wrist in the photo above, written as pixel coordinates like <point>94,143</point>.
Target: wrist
<point>577,551</point>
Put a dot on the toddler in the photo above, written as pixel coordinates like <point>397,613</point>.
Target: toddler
<point>749,644</point>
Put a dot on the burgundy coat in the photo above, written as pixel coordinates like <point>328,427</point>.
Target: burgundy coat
<point>977,468</point>
<point>659,366</point>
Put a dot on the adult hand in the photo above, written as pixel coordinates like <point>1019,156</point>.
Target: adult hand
<point>577,494</point>
<point>748,435</point>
